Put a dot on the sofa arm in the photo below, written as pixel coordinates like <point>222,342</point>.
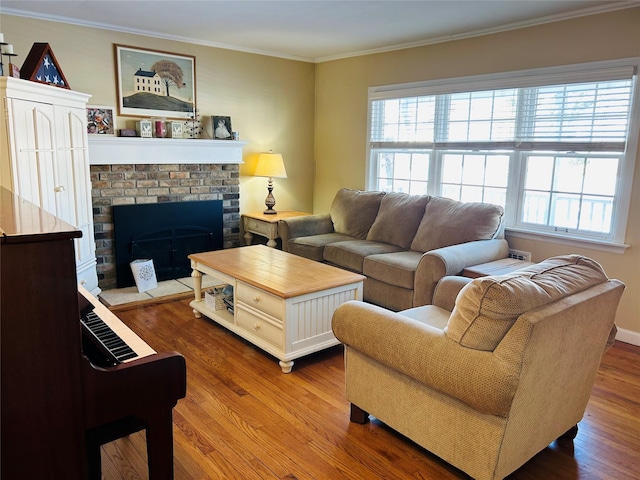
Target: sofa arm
<point>451,261</point>
<point>303,227</point>
<point>427,355</point>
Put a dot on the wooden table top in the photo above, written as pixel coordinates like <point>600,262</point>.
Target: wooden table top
<point>280,273</point>
<point>274,218</point>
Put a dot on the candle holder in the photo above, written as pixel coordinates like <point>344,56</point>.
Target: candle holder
<point>6,50</point>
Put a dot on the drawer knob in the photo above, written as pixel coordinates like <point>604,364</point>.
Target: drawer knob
<point>256,326</point>
<point>256,298</point>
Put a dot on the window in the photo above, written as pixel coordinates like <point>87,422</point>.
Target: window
<point>556,147</point>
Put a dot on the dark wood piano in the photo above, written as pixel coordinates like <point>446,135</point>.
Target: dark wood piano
<point>62,397</point>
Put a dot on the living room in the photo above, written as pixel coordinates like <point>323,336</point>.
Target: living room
<point>315,113</point>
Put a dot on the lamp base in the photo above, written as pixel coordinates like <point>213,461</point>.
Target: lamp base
<point>270,201</point>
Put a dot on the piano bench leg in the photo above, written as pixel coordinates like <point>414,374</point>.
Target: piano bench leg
<point>96,437</point>
<point>160,444</point>
<point>94,460</point>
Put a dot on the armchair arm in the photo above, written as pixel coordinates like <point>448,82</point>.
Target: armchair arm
<point>427,355</point>
<point>451,261</point>
<point>303,227</point>
<point>447,290</point>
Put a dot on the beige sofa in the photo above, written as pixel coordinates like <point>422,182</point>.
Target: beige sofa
<point>402,243</point>
<point>493,382</point>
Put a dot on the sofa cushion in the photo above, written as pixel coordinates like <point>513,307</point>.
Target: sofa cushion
<point>354,211</point>
<point>398,219</point>
<point>398,268</point>
<point>448,222</point>
<point>351,254</point>
<point>487,307</point>
<point>391,297</point>
<point>313,246</point>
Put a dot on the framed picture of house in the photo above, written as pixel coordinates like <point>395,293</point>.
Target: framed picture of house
<point>100,120</point>
<point>153,83</point>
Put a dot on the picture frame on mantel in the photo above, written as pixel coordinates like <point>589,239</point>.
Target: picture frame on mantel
<point>100,120</point>
<point>154,83</point>
<point>221,127</point>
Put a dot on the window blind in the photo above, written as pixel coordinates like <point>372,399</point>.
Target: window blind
<point>590,116</point>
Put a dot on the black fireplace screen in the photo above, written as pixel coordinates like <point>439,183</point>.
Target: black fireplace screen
<point>166,233</point>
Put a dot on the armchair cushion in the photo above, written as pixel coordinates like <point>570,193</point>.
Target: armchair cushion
<point>448,222</point>
<point>398,219</point>
<point>353,211</point>
<point>487,307</point>
<point>429,314</point>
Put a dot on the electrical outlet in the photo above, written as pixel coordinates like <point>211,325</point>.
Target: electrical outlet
<point>520,255</point>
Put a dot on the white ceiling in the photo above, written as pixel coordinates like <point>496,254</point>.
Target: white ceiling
<point>309,30</point>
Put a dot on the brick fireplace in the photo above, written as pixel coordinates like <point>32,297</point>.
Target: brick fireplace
<point>135,184</point>
<point>171,172</point>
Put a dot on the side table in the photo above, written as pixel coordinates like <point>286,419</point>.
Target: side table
<point>497,267</point>
<point>265,225</point>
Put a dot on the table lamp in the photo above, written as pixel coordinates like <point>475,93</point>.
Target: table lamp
<point>270,165</point>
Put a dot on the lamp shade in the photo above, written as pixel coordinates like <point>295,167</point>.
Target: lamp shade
<point>270,165</point>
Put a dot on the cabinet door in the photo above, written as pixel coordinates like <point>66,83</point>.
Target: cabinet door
<point>72,177</point>
<point>34,147</point>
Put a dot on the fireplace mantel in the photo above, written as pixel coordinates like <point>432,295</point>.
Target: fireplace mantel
<point>106,150</point>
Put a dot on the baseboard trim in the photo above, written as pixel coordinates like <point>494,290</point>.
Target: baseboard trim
<point>628,336</point>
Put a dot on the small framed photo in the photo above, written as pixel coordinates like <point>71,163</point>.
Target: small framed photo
<point>145,128</point>
<point>175,129</point>
<point>14,71</point>
<point>221,128</point>
<point>100,120</point>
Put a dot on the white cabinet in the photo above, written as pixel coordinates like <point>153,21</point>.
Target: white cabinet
<point>44,158</point>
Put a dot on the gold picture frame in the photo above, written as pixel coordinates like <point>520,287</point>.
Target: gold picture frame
<point>153,83</point>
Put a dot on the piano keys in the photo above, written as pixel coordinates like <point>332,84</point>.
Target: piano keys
<point>116,342</point>
<point>104,338</point>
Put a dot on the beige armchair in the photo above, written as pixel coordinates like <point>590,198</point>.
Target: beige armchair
<point>493,382</point>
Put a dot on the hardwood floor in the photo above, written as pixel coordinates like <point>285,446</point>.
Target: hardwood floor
<point>244,419</point>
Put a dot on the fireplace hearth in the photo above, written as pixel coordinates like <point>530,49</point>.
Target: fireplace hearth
<point>167,233</point>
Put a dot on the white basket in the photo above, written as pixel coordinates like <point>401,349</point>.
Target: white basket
<point>214,298</point>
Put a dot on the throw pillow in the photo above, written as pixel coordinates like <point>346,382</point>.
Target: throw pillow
<point>398,219</point>
<point>353,211</point>
<point>448,222</point>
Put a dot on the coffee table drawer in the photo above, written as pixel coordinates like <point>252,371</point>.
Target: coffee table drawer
<point>268,331</point>
<point>260,300</point>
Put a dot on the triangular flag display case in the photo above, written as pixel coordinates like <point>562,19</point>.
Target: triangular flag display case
<point>41,66</point>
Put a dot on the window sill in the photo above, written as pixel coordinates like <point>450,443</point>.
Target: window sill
<point>601,245</point>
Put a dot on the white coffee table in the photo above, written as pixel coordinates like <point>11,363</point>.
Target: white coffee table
<point>283,303</point>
